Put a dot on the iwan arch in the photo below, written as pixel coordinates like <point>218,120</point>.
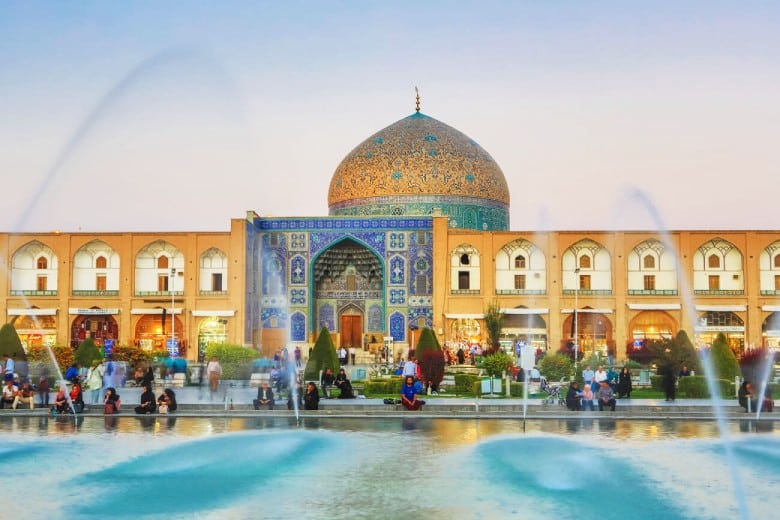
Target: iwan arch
<point>417,235</point>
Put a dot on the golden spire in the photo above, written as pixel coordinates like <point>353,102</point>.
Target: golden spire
<point>417,104</point>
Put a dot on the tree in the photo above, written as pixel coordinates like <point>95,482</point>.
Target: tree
<point>10,343</point>
<point>685,352</point>
<point>87,353</point>
<point>494,322</point>
<point>323,355</point>
<point>497,363</point>
<point>556,366</point>
<point>430,357</point>
<point>724,363</point>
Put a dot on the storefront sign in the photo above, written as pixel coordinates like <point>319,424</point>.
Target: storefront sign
<point>92,312</point>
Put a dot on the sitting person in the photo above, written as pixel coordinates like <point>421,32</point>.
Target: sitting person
<point>573,397</point>
<point>167,401</point>
<point>25,395</point>
<point>265,397</point>
<point>147,401</point>
<point>409,395</point>
<point>587,397</point>
<point>326,382</point>
<point>606,396</point>
<point>343,384</point>
<point>311,398</point>
<point>77,396</point>
<point>9,394</point>
<point>749,401</point>
<point>61,404</point>
<point>111,402</point>
<point>138,376</point>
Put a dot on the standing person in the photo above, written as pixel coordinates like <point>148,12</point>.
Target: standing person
<point>410,368</point>
<point>352,354</point>
<point>311,398</point>
<point>342,356</point>
<point>587,376</point>
<point>606,396</point>
<point>214,371</point>
<point>297,354</point>
<point>148,379</point>
<point>9,367</point>
<point>95,381</point>
<point>461,356</point>
<point>147,401</point>
<point>624,383</point>
<point>43,386</point>
<point>669,382</point>
<point>409,395</point>
<point>598,376</point>
<point>285,357</point>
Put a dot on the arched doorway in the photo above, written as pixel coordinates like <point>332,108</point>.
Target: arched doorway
<point>594,331</point>
<point>152,331</point>
<point>523,327</point>
<point>348,278</point>
<point>770,331</point>
<point>652,325</point>
<point>712,323</point>
<point>99,327</point>
<point>35,329</point>
<point>211,330</point>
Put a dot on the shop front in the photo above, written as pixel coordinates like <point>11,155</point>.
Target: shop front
<point>96,323</point>
<point>35,327</point>
<point>212,328</point>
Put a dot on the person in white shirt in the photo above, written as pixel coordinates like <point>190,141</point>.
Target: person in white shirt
<point>214,372</point>
<point>9,367</point>
<point>410,369</point>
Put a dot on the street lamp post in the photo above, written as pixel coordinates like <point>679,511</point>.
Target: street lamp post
<point>576,325</point>
<point>173,316</point>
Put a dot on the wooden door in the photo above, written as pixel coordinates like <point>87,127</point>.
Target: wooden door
<point>351,330</point>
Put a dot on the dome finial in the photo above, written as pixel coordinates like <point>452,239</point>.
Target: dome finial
<point>417,103</point>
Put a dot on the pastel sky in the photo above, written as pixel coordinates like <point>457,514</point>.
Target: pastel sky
<point>175,116</point>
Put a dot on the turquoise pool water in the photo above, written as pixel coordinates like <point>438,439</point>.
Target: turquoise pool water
<point>271,467</point>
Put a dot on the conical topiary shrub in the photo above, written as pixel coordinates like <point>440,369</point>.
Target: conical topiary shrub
<point>427,341</point>
<point>323,355</point>
<point>724,363</point>
<point>10,343</point>
<point>430,357</point>
<point>87,353</point>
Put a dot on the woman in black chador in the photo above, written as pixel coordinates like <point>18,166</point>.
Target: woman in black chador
<point>344,385</point>
<point>624,383</point>
<point>148,402</point>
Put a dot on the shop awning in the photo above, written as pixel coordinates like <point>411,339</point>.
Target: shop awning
<point>654,306</point>
<point>525,311</point>
<point>464,316</point>
<point>770,308</point>
<point>722,308</point>
<point>177,310</point>
<point>32,312</point>
<point>587,311</point>
<point>218,314</point>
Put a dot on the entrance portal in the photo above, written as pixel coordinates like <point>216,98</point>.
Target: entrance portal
<point>351,330</point>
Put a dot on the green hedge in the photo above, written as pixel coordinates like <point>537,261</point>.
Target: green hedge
<point>464,382</point>
<point>382,386</point>
<point>515,389</point>
<point>695,387</point>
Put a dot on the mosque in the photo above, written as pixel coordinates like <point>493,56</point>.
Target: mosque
<point>417,235</point>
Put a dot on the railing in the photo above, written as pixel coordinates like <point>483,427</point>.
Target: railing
<point>587,292</point>
<point>652,292</point>
<point>213,293</point>
<point>30,292</point>
<point>719,292</point>
<point>159,293</point>
<point>771,292</point>
<point>94,293</point>
<point>464,291</point>
<point>529,292</point>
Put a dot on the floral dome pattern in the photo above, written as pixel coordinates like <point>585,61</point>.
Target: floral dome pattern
<point>416,166</point>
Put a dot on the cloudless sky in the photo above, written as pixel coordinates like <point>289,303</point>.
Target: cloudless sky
<point>175,116</point>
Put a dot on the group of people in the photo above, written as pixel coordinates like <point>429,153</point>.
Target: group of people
<point>582,399</point>
<point>164,403</point>
<point>308,399</point>
<point>750,401</point>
